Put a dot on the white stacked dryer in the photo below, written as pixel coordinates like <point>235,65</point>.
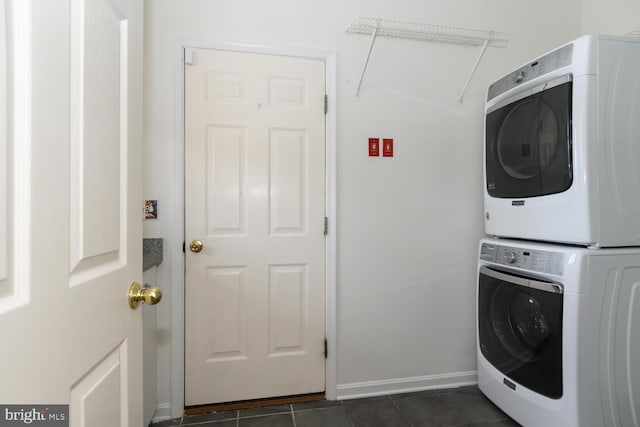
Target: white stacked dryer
<point>562,146</point>
<point>559,277</point>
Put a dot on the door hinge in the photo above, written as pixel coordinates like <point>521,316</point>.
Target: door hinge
<point>326,225</point>
<point>326,351</point>
<point>188,56</point>
<point>326,104</point>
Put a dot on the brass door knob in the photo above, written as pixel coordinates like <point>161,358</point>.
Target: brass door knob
<point>149,295</point>
<point>196,246</point>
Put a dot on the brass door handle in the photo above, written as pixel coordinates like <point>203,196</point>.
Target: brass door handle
<point>149,295</point>
<point>196,246</point>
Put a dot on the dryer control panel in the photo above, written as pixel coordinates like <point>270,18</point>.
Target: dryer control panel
<point>545,64</point>
<point>526,259</point>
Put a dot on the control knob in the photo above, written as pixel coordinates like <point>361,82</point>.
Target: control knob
<point>519,76</point>
<point>509,257</point>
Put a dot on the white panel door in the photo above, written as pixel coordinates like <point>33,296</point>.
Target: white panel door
<point>255,197</point>
<point>70,207</point>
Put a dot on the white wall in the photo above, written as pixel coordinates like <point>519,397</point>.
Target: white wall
<point>614,17</point>
<point>408,226</point>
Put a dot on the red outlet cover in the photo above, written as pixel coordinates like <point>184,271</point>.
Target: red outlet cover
<point>387,147</point>
<point>374,147</point>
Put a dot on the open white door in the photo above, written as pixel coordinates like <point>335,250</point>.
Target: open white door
<point>70,207</point>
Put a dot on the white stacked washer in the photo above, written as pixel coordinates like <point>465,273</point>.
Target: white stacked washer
<point>559,308</point>
<point>559,333</point>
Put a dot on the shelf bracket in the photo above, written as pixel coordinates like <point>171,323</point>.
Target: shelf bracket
<point>475,66</point>
<point>374,33</point>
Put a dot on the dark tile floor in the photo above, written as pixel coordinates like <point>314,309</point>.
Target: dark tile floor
<point>464,406</point>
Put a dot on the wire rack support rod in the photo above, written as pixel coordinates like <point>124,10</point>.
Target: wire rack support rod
<point>475,68</point>
<point>374,33</point>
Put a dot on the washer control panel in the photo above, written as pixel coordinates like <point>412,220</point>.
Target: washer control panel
<point>526,259</point>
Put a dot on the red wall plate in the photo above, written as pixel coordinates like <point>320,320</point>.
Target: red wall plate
<point>374,147</point>
<point>387,147</point>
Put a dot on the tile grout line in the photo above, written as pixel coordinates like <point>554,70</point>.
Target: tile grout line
<point>455,411</point>
<point>319,409</point>
<point>203,423</point>
<point>395,404</point>
<point>293,416</point>
<point>199,423</point>
<point>346,411</point>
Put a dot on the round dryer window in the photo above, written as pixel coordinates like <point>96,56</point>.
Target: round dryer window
<point>528,139</point>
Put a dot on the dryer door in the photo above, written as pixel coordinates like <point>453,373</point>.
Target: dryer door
<point>528,143</point>
<point>520,329</point>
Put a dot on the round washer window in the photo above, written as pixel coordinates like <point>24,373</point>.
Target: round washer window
<point>518,322</point>
<point>527,321</point>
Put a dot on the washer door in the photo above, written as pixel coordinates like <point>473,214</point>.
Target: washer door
<point>528,144</point>
<point>520,329</point>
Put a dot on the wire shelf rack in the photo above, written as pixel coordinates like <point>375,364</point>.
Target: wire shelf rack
<point>635,34</point>
<point>433,33</point>
<point>428,32</point>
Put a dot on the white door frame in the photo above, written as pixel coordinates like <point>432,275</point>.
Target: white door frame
<point>176,238</point>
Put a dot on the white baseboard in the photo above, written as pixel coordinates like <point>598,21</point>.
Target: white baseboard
<point>405,385</point>
<point>163,412</point>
